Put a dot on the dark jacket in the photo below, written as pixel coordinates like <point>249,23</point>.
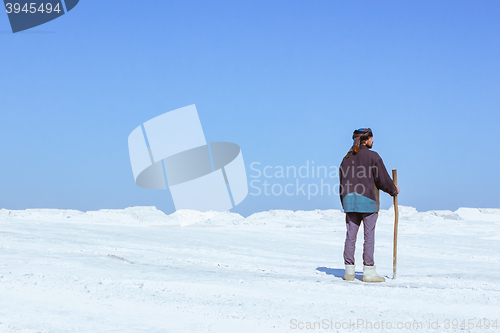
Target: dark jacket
<point>361,177</point>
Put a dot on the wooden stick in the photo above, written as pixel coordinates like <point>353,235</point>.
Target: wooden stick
<point>396,216</point>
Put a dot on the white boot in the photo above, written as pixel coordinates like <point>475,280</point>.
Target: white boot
<point>370,275</point>
<point>349,273</point>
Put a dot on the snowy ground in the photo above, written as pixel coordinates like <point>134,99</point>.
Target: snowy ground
<point>138,270</point>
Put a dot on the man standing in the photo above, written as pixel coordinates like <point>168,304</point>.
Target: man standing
<point>362,175</point>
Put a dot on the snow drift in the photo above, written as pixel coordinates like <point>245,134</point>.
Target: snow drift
<point>149,214</point>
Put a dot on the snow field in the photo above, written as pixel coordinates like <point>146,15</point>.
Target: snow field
<point>139,270</point>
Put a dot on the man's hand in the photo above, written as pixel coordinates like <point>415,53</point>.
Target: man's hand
<point>398,189</point>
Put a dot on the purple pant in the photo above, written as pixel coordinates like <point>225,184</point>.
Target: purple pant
<point>353,221</point>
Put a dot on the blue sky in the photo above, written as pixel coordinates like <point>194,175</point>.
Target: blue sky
<point>288,81</point>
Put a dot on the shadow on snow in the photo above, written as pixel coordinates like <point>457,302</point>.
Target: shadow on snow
<point>338,272</point>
